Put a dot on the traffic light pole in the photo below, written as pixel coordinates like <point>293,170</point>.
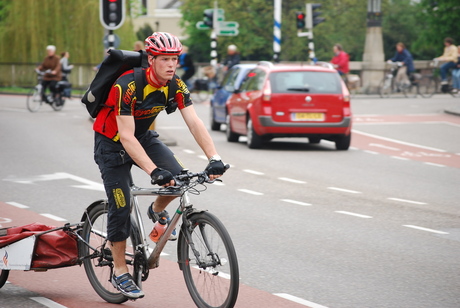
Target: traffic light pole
<point>214,30</point>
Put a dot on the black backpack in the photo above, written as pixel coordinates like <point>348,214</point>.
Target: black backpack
<point>115,64</point>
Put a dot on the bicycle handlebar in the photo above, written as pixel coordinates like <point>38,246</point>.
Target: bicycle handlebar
<point>203,177</point>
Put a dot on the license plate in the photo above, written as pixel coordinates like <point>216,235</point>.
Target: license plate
<point>304,116</point>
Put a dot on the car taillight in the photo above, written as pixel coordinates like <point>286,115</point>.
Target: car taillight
<point>267,93</point>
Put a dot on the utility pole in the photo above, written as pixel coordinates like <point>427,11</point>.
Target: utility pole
<point>277,31</point>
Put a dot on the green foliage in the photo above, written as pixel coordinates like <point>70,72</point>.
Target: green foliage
<point>144,32</point>
<point>30,25</point>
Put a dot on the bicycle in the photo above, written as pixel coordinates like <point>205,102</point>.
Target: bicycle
<point>389,85</point>
<point>204,248</point>
<point>430,83</point>
<point>35,99</point>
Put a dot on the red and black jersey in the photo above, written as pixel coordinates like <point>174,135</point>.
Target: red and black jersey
<point>122,101</point>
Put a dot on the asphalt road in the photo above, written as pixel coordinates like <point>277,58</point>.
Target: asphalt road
<point>375,226</point>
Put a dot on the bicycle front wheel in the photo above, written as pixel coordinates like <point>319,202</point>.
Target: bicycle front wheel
<point>427,86</point>
<point>208,261</point>
<point>58,103</point>
<point>386,87</point>
<point>98,260</point>
<point>34,99</point>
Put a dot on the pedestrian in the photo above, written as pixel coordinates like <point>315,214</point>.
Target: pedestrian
<point>186,63</point>
<point>403,56</point>
<point>341,60</point>
<point>65,66</point>
<point>456,75</point>
<point>138,46</point>
<point>123,139</point>
<point>233,57</point>
<point>52,64</point>
<point>450,57</point>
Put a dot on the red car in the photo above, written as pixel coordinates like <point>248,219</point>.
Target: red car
<point>290,101</point>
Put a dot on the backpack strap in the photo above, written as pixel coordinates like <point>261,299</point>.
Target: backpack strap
<point>140,84</point>
<point>171,105</point>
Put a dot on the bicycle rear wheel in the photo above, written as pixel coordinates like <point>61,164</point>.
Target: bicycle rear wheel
<point>4,277</point>
<point>411,91</point>
<point>34,99</point>
<point>427,86</point>
<point>58,103</point>
<point>208,261</point>
<point>98,260</point>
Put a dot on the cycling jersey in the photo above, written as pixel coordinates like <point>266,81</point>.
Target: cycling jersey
<point>122,101</point>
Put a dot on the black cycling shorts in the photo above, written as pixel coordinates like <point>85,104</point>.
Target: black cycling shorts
<point>115,166</point>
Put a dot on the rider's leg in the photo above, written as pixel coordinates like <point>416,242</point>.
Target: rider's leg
<point>444,69</point>
<point>118,253</point>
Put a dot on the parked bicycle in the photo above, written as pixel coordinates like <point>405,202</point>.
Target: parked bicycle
<point>389,85</point>
<point>205,251</point>
<point>35,97</point>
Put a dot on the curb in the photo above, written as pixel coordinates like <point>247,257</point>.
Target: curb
<point>453,111</point>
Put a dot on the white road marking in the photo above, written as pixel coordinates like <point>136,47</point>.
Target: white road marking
<point>433,164</point>
<point>60,176</point>
<point>253,172</point>
<point>370,152</point>
<point>18,205</point>
<point>295,202</point>
<point>378,145</point>
<point>189,151</point>
<point>203,157</point>
<point>425,229</point>
<point>345,190</point>
<point>398,141</point>
<point>47,302</point>
<point>407,201</point>
<point>256,193</point>
<point>51,216</point>
<point>299,300</point>
<point>291,180</point>
<point>353,214</point>
<point>400,158</point>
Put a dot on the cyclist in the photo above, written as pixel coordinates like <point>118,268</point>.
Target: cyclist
<point>123,139</point>
<point>50,79</point>
<point>404,72</point>
<point>450,56</point>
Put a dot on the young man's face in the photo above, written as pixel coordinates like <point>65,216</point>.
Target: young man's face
<point>164,66</point>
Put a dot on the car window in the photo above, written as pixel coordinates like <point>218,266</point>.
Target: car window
<point>230,77</point>
<point>309,82</point>
<point>254,81</point>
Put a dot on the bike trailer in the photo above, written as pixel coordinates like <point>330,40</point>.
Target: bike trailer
<point>37,247</point>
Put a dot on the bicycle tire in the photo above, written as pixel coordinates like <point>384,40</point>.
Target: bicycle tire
<point>216,285</point>
<point>3,277</point>
<point>58,107</point>
<point>411,91</point>
<point>34,100</point>
<point>386,87</point>
<point>99,266</point>
<point>427,86</point>
<point>203,95</point>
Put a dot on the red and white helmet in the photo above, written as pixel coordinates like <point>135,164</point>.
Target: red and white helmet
<point>163,43</point>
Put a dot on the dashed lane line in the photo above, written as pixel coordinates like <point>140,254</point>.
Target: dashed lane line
<point>353,214</point>
<point>407,201</point>
<point>18,205</point>
<point>299,300</point>
<point>253,172</point>
<point>292,180</point>
<point>425,229</point>
<point>433,164</point>
<point>345,190</point>
<point>251,192</point>
<point>296,202</point>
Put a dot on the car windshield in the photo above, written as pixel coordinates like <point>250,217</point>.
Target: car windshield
<point>308,82</point>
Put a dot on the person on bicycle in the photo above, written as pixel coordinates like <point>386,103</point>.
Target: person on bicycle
<point>51,78</point>
<point>403,56</point>
<point>449,56</point>
<point>123,139</point>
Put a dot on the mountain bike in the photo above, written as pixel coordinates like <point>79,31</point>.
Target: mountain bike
<point>389,85</point>
<point>35,98</point>
<point>205,252</point>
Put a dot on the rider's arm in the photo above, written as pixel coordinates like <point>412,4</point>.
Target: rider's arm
<point>199,131</point>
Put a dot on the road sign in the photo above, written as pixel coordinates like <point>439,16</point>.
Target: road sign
<point>202,26</point>
<point>228,32</point>
<point>228,24</point>
<point>220,13</point>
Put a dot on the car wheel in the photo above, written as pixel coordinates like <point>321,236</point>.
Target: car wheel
<point>314,140</point>
<point>254,141</point>
<point>343,142</point>
<point>214,125</point>
<point>231,136</point>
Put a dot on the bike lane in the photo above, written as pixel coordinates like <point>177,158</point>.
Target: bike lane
<point>70,287</point>
<point>400,149</point>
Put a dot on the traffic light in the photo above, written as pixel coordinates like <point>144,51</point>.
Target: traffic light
<point>209,17</point>
<point>112,13</point>
<point>300,20</point>
<point>313,18</point>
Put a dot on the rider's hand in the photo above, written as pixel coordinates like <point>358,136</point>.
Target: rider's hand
<point>161,177</point>
<point>215,167</point>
